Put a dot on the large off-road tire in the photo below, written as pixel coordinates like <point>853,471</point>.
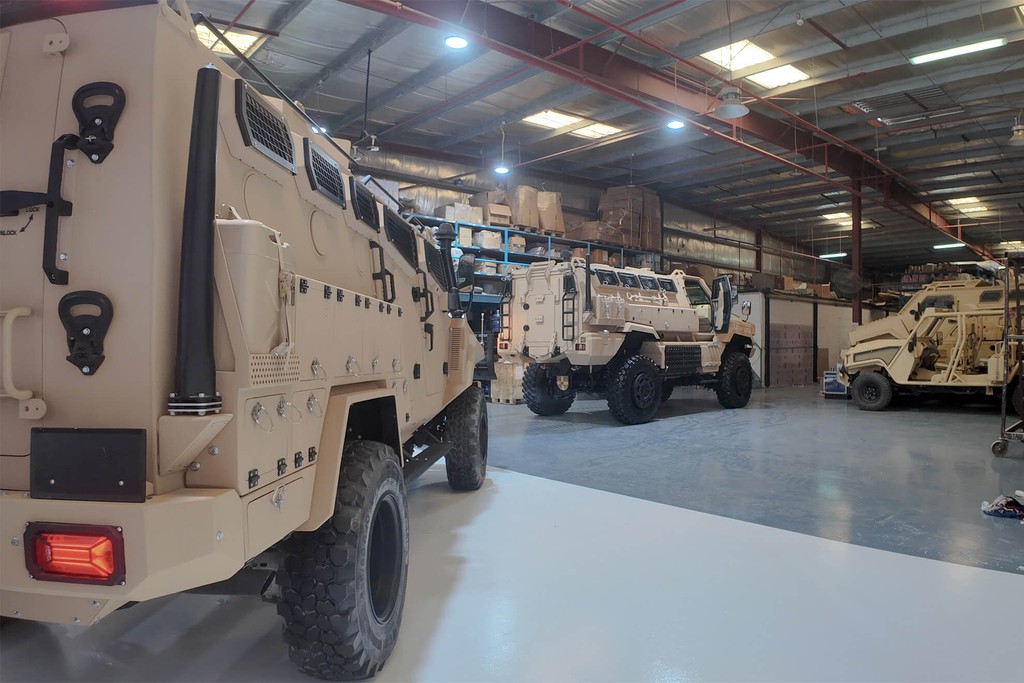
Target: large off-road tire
<point>541,394</point>
<point>466,430</point>
<point>871,391</point>
<point>634,390</point>
<point>735,380</point>
<point>343,585</point>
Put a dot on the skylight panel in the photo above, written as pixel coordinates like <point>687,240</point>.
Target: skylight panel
<point>837,216</point>
<point>738,55</point>
<point>245,41</point>
<point>964,200</point>
<point>779,76</point>
<point>552,119</point>
<point>597,130</point>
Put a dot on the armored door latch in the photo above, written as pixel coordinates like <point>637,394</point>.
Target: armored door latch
<point>85,331</point>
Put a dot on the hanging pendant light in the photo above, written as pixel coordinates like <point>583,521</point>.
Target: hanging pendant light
<point>1017,134</point>
<point>502,168</point>
<point>731,105</point>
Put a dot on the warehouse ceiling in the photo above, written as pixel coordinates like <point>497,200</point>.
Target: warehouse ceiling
<point>837,106</point>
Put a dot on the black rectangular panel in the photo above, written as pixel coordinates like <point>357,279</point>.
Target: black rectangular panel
<point>402,235</point>
<point>88,464</point>
<point>365,205</point>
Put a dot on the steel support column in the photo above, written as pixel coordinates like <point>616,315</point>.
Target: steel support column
<point>855,248</point>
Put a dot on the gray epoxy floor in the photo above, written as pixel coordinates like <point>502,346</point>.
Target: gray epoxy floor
<point>531,579</point>
<point>909,480</point>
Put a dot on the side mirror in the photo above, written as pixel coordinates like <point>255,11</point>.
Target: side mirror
<point>745,308</point>
<point>465,274</point>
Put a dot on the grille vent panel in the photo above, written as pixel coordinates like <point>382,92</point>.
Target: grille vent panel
<point>324,173</point>
<point>262,128</point>
<point>365,205</point>
<point>402,235</point>
<point>435,264</point>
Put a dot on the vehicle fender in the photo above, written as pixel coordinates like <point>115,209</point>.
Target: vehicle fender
<point>342,404</point>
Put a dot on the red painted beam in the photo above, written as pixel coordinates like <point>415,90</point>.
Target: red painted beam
<point>648,89</point>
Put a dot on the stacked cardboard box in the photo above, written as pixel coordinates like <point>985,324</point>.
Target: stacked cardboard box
<point>549,211</point>
<point>461,213</point>
<point>494,205</point>
<point>595,231</point>
<point>636,213</point>
<point>523,202</point>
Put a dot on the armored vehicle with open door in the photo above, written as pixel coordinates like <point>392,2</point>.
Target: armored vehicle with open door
<point>223,356</point>
<point>949,337</point>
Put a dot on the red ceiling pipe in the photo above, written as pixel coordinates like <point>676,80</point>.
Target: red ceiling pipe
<point>698,67</point>
<point>612,82</point>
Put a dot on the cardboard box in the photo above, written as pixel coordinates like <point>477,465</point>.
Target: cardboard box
<point>487,239</point>
<point>615,259</point>
<point>517,243</point>
<point>599,256</point>
<point>507,387</point>
<point>465,236</point>
<point>461,213</point>
<point>595,231</point>
<point>523,202</point>
<point>482,199</point>
<point>549,211</point>
<point>498,214</point>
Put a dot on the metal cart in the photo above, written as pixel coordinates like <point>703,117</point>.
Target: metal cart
<point>1013,351</point>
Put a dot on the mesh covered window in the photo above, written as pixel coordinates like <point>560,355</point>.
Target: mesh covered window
<point>365,205</point>
<point>402,235</point>
<point>262,128</point>
<point>436,265</point>
<point>324,173</point>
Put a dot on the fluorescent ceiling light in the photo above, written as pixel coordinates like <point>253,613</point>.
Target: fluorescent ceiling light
<point>597,130</point>
<point>245,41</point>
<point>836,216</point>
<point>973,209</point>
<point>675,124</point>
<point>959,50</point>
<point>456,42</point>
<point>738,55</point>
<point>963,200</point>
<point>838,254</point>
<point>552,119</point>
<point>949,245</point>
<point>778,77</point>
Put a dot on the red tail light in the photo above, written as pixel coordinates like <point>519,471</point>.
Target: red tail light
<point>75,553</point>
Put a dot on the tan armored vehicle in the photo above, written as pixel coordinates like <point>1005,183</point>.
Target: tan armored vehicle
<point>947,338</point>
<point>222,355</point>
<point>626,333</point>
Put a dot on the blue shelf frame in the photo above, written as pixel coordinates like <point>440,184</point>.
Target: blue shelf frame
<point>516,258</point>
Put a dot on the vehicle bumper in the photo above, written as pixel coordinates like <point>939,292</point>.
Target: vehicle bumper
<point>172,542</point>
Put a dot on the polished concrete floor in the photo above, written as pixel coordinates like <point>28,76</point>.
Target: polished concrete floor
<point>536,580</point>
<point>840,546</point>
<point>909,480</point>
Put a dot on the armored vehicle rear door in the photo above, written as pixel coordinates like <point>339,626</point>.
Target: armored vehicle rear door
<point>31,62</point>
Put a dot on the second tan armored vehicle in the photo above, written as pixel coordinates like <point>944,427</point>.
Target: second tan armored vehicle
<point>947,338</point>
<point>223,356</point>
<point>626,333</point>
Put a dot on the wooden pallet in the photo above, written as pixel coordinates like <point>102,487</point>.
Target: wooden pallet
<point>538,231</point>
<point>507,401</point>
